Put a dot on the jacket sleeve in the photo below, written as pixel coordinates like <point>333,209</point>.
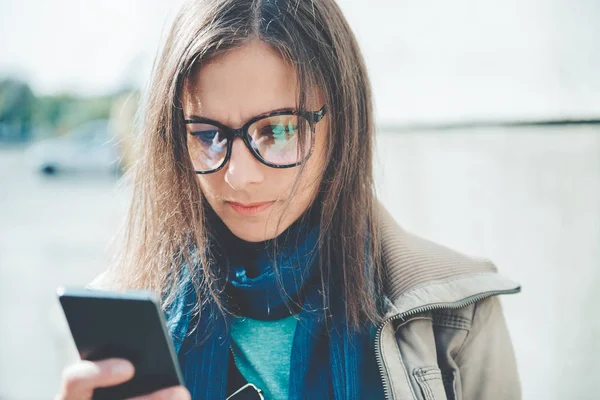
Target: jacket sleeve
<point>486,360</point>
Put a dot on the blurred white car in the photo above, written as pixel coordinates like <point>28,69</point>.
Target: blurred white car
<point>90,147</point>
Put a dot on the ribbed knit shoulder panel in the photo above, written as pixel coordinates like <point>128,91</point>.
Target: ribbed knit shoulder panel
<point>411,261</point>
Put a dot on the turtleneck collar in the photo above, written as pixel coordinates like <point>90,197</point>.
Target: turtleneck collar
<point>241,252</point>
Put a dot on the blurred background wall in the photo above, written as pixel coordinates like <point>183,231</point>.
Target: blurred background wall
<point>483,145</point>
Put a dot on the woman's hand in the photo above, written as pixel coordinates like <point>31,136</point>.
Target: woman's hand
<point>80,379</point>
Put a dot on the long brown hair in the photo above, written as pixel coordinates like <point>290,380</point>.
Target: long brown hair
<point>167,213</point>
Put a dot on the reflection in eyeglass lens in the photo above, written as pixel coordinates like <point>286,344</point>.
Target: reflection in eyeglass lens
<point>276,139</point>
<point>207,146</point>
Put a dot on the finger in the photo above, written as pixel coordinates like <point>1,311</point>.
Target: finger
<point>172,393</point>
<point>80,380</point>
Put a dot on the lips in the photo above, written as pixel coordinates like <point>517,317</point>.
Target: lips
<point>250,208</point>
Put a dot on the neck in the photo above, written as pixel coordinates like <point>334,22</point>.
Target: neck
<point>242,252</point>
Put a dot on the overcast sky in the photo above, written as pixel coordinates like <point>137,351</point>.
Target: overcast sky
<point>87,46</point>
<point>428,60</point>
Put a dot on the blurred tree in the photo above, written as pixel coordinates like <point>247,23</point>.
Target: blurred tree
<point>85,109</point>
<point>20,110</point>
<point>16,108</point>
<point>63,112</point>
<point>49,110</point>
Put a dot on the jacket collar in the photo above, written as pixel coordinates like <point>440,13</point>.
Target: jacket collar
<point>419,273</point>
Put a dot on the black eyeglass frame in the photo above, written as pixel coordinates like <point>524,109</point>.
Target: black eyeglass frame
<point>313,117</point>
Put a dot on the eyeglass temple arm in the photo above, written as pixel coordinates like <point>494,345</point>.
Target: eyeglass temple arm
<point>316,116</point>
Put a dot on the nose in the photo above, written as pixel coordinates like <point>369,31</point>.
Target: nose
<point>242,169</point>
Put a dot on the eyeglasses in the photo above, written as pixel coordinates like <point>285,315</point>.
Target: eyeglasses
<point>281,139</point>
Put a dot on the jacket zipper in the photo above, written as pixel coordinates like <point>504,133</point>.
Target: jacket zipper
<point>436,306</point>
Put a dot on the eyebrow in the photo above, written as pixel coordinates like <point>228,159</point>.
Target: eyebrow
<point>290,109</point>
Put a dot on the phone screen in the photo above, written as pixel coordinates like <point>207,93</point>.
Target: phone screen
<point>127,325</point>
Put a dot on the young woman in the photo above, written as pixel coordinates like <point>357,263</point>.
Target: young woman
<point>254,216</point>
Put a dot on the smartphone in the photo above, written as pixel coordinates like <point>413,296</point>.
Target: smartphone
<point>128,325</point>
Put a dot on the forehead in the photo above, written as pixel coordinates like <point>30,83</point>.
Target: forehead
<point>240,84</point>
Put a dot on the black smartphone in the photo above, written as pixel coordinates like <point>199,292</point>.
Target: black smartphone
<point>128,325</point>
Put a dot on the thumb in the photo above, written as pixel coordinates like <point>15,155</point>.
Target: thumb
<point>80,379</point>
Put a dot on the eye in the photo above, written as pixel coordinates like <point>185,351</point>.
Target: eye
<point>206,136</point>
<point>280,130</point>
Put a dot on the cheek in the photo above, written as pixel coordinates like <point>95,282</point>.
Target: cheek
<point>310,181</point>
<point>316,164</point>
<point>311,177</point>
<point>210,185</point>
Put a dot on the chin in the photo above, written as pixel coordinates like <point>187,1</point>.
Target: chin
<point>251,232</point>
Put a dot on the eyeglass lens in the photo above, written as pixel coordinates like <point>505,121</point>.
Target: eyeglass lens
<point>279,140</point>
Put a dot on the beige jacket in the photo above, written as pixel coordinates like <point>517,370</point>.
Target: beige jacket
<point>444,334</point>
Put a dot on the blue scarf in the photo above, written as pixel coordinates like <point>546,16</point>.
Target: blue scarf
<point>328,361</point>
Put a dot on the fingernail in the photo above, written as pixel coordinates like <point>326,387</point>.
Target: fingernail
<point>181,394</point>
<point>122,368</point>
